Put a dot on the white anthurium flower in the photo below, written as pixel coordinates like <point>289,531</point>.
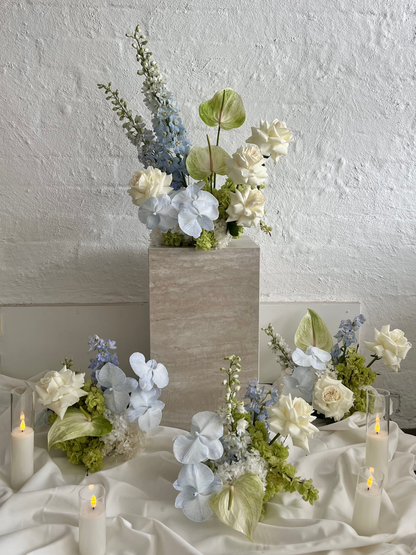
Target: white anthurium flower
<point>197,210</point>
<point>272,139</point>
<point>150,182</point>
<point>203,442</point>
<point>158,212</point>
<point>392,346</point>
<point>293,417</point>
<point>246,166</point>
<point>59,390</point>
<point>246,207</point>
<point>315,357</point>
<point>331,397</point>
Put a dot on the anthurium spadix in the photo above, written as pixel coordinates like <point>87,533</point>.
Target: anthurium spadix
<point>203,161</point>
<point>312,332</point>
<point>225,109</point>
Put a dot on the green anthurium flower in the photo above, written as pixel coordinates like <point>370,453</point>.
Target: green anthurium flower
<point>77,423</point>
<point>201,162</point>
<point>312,332</point>
<point>239,505</point>
<point>225,109</point>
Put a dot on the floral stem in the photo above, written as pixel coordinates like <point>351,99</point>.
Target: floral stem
<point>274,439</point>
<point>374,360</point>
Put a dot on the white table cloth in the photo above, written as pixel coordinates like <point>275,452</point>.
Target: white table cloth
<point>42,518</point>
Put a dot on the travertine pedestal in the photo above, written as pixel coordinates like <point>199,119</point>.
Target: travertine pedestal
<point>203,306</point>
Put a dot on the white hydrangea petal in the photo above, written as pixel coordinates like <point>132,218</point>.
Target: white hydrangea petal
<point>150,419</point>
<point>189,450</point>
<point>161,376</point>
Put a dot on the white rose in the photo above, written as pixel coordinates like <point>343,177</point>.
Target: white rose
<point>272,139</point>
<point>59,390</point>
<point>331,397</point>
<point>392,346</point>
<point>293,417</point>
<point>246,166</point>
<point>246,207</point>
<point>150,182</point>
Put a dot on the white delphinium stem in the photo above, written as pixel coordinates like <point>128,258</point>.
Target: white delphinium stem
<point>281,350</point>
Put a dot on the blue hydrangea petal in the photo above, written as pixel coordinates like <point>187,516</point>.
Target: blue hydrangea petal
<point>116,402</point>
<point>109,375</point>
<point>206,223</point>
<point>128,386</point>
<point>150,419</point>
<point>186,494</point>
<point>207,424</point>
<point>160,376</point>
<point>189,450</point>
<point>188,222</point>
<point>133,414</point>
<point>214,487</point>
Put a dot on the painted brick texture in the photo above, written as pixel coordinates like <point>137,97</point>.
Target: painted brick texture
<point>342,203</point>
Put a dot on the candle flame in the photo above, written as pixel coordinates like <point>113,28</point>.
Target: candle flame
<point>371,469</point>
<point>91,486</point>
<point>22,421</point>
<point>93,501</point>
<point>377,424</point>
<point>369,482</point>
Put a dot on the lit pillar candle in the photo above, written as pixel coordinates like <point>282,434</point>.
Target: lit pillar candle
<point>377,439</point>
<point>92,523</point>
<point>367,501</point>
<point>22,438</point>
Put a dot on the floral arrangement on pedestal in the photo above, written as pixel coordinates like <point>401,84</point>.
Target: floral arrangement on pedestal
<point>108,415</point>
<point>233,464</point>
<point>334,378</point>
<point>201,214</point>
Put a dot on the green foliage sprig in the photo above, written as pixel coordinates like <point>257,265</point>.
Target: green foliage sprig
<point>354,374</point>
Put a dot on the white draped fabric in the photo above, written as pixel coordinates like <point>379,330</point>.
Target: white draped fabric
<point>42,518</point>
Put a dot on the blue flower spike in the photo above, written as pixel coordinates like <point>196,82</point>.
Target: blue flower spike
<point>300,383</point>
<point>118,386</point>
<point>150,373</point>
<point>315,357</point>
<point>203,442</point>
<point>196,483</point>
<point>145,407</point>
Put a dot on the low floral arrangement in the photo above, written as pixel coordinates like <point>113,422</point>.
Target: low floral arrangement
<point>334,378</point>
<point>232,464</point>
<point>108,415</point>
<point>200,214</point>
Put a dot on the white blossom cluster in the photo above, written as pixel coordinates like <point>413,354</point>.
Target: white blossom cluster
<point>251,462</point>
<point>125,439</point>
<point>222,237</point>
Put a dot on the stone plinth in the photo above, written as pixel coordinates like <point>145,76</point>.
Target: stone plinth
<point>203,306</point>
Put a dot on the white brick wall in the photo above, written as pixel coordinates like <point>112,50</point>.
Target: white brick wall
<point>342,203</point>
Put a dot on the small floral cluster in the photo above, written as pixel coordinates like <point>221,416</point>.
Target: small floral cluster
<point>234,460</point>
<point>334,379</point>
<point>200,214</point>
<point>108,415</point>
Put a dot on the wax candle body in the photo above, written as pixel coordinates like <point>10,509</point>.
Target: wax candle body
<point>366,509</point>
<point>92,537</point>
<point>22,456</point>
<point>377,451</point>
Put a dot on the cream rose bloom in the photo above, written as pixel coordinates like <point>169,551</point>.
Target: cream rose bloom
<point>392,346</point>
<point>246,207</point>
<point>331,397</point>
<point>293,417</point>
<point>273,139</point>
<point>59,390</point>
<point>246,166</point>
<point>150,182</point>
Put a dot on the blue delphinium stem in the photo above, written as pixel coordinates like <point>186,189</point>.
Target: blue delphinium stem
<point>167,124</point>
<point>102,346</point>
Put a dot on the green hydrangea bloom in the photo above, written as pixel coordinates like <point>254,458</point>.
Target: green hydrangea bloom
<point>83,450</point>
<point>281,475</point>
<point>174,239</point>
<point>205,241</point>
<point>354,374</point>
<point>52,417</point>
